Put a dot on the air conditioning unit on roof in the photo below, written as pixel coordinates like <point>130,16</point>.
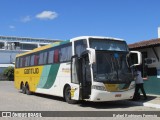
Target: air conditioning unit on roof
<point>150,61</point>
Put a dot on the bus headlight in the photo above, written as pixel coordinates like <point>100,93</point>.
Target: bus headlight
<point>99,87</point>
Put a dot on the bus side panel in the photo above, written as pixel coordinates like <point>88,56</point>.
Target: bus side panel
<point>57,78</point>
<point>64,76</point>
<point>44,76</point>
<point>30,75</point>
<point>48,80</point>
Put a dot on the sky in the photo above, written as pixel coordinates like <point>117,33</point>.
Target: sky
<point>131,20</point>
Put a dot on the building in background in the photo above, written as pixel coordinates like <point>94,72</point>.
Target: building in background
<point>150,50</point>
<point>11,46</point>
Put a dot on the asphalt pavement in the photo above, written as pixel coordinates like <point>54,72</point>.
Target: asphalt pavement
<point>12,99</point>
<point>152,101</point>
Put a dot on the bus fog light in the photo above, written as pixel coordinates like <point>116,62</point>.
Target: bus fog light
<point>98,87</point>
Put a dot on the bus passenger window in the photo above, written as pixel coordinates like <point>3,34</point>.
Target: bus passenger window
<point>27,61</point>
<point>65,54</point>
<point>17,63</point>
<point>45,58</point>
<point>40,61</point>
<point>23,61</point>
<point>36,58</point>
<point>32,60</point>
<point>80,46</point>
<point>56,56</point>
<point>51,56</point>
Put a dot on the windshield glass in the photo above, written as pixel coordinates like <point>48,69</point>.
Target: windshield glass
<point>107,44</point>
<point>111,67</point>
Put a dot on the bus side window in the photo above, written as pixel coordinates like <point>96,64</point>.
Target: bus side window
<point>69,53</point>
<point>56,56</point>
<point>40,60</point>
<point>17,62</point>
<point>36,58</point>
<point>45,58</point>
<point>27,61</point>
<point>32,60</point>
<point>51,56</point>
<point>80,46</point>
<point>23,61</point>
<point>65,53</point>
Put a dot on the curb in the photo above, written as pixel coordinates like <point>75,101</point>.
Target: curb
<point>151,105</point>
<point>146,104</point>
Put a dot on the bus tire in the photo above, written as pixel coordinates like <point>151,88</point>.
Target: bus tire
<point>23,89</point>
<point>67,95</point>
<point>28,92</point>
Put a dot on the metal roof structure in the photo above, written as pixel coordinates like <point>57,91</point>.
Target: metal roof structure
<point>27,39</point>
<point>145,43</point>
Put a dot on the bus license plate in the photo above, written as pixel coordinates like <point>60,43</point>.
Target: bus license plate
<point>118,95</point>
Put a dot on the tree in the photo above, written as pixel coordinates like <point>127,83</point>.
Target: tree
<point>9,73</point>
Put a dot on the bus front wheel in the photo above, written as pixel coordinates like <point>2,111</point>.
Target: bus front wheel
<point>67,95</point>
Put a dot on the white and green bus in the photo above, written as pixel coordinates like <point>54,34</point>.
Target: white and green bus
<point>88,68</point>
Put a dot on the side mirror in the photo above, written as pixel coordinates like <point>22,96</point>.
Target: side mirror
<point>92,55</point>
<point>135,58</point>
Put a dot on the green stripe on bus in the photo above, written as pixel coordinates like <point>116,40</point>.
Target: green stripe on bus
<point>55,44</point>
<point>52,76</point>
<point>44,76</point>
<point>60,43</point>
<point>64,42</point>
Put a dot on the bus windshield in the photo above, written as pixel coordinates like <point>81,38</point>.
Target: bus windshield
<point>106,44</point>
<point>111,67</point>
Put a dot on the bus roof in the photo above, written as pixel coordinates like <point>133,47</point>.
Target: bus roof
<point>95,37</point>
<point>39,49</point>
<point>67,41</point>
<point>44,47</point>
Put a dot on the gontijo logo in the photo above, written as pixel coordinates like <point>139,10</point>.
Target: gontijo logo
<point>31,71</point>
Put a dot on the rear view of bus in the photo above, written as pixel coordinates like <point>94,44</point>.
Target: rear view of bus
<point>104,70</point>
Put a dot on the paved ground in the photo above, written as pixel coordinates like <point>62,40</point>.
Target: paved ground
<point>13,100</point>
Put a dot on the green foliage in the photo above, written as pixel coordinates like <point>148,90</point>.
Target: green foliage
<point>9,73</point>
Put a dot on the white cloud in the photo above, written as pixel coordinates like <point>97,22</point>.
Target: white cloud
<point>47,15</point>
<point>12,27</point>
<point>26,19</point>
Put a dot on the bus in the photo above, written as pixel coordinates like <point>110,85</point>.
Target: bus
<point>90,68</point>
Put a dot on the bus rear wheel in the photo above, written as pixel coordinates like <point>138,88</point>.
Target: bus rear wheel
<point>28,92</point>
<point>67,95</point>
<point>23,89</point>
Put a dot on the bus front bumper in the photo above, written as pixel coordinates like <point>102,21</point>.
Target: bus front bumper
<point>98,95</point>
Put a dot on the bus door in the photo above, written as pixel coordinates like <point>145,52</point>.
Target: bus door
<point>85,80</point>
<point>75,77</point>
<point>80,77</point>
